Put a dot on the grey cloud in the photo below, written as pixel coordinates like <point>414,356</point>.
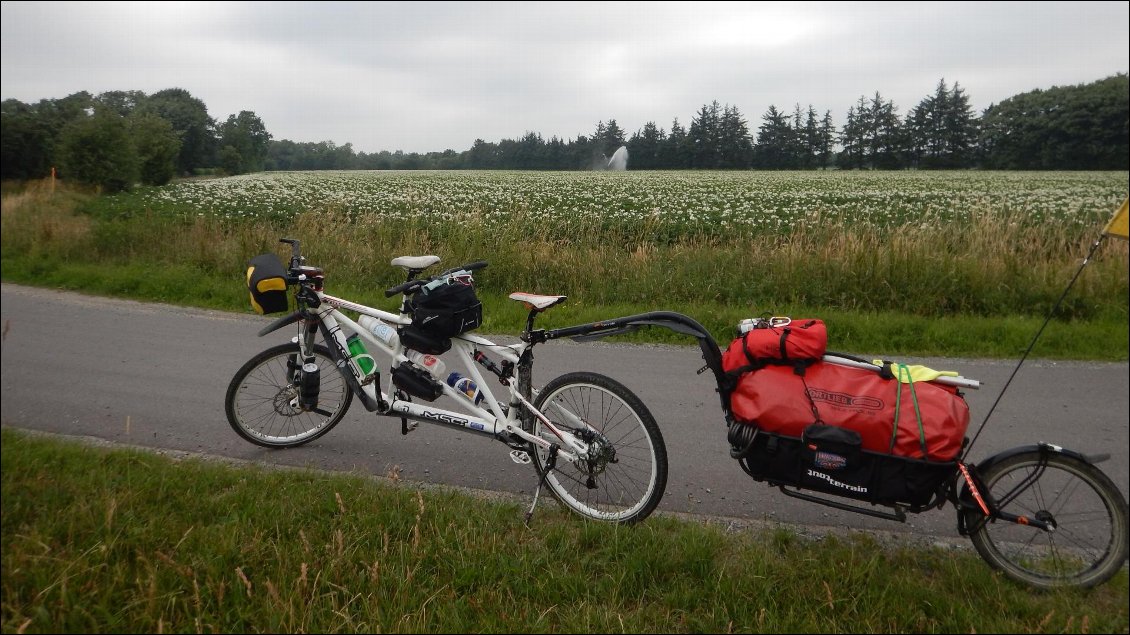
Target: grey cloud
<point>430,76</point>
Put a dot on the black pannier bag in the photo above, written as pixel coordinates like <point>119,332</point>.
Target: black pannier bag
<point>442,309</point>
<point>266,282</point>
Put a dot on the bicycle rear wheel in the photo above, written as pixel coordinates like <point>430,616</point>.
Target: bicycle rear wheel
<point>1088,543</point>
<point>624,475</point>
<point>261,402</point>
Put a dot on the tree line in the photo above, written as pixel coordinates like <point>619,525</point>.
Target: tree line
<point>121,137</point>
<point>1082,127</point>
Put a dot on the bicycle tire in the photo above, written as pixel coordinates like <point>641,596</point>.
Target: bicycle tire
<point>1089,543</point>
<point>259,397</point>
<point>625,475</point>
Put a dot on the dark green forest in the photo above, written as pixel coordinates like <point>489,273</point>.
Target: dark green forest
<point>119,138</point>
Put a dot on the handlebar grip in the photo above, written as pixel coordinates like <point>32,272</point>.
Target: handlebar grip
<point>401,288</point>
<point>470,266</point>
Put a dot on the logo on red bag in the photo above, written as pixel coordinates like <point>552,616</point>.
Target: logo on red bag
<point>844,400</point>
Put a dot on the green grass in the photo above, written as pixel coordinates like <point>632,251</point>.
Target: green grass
<point>118,540</point>
<point>978,286</point>
<point>870,332</point>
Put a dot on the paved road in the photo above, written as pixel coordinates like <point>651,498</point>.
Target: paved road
<point>155,375</point>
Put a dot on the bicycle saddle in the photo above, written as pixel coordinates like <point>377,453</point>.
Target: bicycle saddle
<point>538,302</point>
<point>419,263</point>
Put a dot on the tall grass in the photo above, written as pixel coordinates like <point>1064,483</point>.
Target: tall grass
<point>992,265</point>
<point>128,541</point>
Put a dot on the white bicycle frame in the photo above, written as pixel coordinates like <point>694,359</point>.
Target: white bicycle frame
<point>492,420</point>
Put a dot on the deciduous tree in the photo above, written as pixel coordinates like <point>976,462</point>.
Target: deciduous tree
<point>98,150</point>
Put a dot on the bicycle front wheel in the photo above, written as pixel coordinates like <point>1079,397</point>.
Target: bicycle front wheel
<point>1087,513</point>
<point>262,399</point>
<point>624,474</point>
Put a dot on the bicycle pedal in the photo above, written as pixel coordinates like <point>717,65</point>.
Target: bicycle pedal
<point>521,457</point>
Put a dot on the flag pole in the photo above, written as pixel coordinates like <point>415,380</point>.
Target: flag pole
<point>1117,228</point>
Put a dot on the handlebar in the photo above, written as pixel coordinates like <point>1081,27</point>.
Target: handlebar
<point>471,266</point>
<point>297,261</point>
<point>403,288</point>
<point>296,258</point>
<point>406,287</point>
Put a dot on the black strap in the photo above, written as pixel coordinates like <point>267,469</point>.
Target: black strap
<point>745,349</point>
<point>815,412</point>
<point>784,339</point>
<point>757,363</point>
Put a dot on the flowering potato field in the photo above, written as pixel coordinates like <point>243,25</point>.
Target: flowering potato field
<point>934,252</point>
<point>558,204</point>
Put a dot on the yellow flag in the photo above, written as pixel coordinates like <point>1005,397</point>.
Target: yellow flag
<point>1117,225</point>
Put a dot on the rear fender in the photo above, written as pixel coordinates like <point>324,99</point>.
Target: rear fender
<point>966,499</point>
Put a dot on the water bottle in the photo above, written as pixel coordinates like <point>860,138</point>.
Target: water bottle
<point>360,355</point>
<point>465,385</point>
<point>433,364</point>
<point>380,330</point>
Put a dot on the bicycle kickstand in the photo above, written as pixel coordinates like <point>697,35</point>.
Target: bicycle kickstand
<point>550,464</point>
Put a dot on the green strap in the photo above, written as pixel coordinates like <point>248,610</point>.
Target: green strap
<point>898,409</point>
<point>904,371</point>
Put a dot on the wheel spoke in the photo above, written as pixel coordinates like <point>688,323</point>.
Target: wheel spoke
<point>260,400</point>
<point>627,461</point>
<point>1086,540</point>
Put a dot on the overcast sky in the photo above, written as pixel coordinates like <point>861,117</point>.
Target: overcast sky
<point>431,76</point>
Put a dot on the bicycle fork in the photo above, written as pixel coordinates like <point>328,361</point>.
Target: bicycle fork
<point>991,508</point>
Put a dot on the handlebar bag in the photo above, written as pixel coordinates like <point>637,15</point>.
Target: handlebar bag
<point>266,282</point>
<point>447,306</point>
<point>798,344</point>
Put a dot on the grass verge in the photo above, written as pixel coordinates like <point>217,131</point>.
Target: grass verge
<point>113,540</point>
<point>969,290</point>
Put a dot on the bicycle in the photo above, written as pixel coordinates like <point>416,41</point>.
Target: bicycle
<point>592,442</point>
<point>1042,514</point>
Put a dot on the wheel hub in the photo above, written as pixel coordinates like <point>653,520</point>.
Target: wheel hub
<point>1046,517</point>
<point>284,401</point>
<point>600,454</point>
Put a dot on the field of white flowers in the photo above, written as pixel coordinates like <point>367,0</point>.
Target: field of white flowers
<point>693,202</point>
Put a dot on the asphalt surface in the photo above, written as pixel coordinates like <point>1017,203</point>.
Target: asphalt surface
<point>155,376</point>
